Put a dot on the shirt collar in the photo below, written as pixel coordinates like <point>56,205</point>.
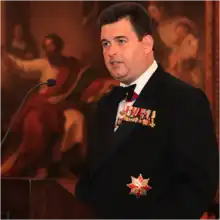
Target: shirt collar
<point>143,79</point>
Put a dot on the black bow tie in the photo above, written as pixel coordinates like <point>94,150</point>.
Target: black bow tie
<point>124,92</point>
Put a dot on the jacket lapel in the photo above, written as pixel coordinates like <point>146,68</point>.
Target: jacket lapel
<point>147,99</point>
<point>105,122</point>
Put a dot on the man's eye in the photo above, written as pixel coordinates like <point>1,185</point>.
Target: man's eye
<point>105,44</point>
<point>121,41</point>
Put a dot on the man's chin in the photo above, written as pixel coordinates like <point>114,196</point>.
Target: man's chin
<point>123,79</point>
<point>119,76</point>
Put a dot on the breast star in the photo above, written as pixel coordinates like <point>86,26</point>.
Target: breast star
<point>139,186</point>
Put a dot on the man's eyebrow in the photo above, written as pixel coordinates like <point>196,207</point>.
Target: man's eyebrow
<point>103,40</point>
<point>116,38</point>
<point>120,37</point>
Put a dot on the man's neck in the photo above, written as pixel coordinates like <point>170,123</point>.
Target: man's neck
<point>149,64</point>
<point>143,78</point>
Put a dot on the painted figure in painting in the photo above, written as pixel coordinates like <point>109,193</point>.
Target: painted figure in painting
<point>178,44</point>
<point>44,117</point>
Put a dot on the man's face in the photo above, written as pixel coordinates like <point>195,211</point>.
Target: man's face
<point>181,31</point>
<point>49,46</point>
<point>123,52</point>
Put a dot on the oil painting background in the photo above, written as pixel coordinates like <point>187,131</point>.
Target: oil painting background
<point>186,45</point>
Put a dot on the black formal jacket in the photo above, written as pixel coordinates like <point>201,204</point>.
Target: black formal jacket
<point>179,155</point>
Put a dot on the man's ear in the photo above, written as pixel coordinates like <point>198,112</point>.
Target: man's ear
<point>148,43</point>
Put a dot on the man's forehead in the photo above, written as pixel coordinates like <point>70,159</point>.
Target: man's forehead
<point>114,36</point>
<point>122,27</point>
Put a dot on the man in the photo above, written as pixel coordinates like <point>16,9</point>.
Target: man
<point>41,121</point>
<point>161,160</point>
<point>165,34</point>
<point>48,67</point>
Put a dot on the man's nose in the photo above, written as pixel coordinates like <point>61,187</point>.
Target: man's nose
<point>112,50</point>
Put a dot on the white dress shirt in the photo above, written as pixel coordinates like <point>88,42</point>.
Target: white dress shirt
<point>140,83</point>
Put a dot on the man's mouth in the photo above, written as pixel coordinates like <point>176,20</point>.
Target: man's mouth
<point>114,62</point>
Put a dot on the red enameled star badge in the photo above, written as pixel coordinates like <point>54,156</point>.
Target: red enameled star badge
<point>139,186</point>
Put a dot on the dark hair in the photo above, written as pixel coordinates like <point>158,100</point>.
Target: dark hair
<point>57,40</point>
<point>138,16</point>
